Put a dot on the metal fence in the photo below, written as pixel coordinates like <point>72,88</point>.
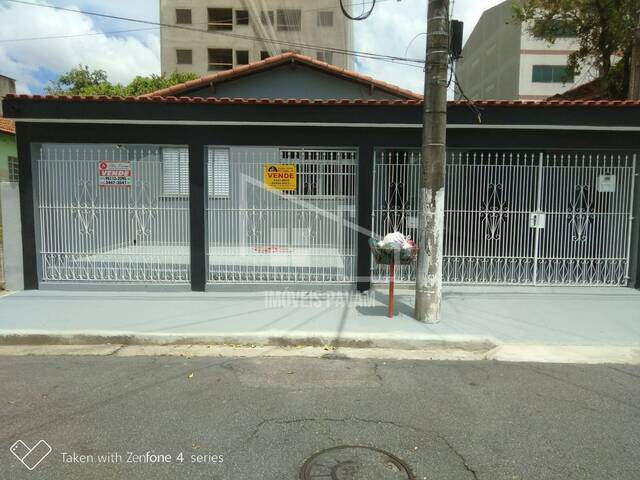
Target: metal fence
<point>303,234</point>
<point>532,218</point>
<point>106,214</point>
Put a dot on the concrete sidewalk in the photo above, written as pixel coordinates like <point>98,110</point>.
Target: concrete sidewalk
<point>474,318</point>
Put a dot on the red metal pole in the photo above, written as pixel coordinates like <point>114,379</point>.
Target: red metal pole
<point>392,277</point>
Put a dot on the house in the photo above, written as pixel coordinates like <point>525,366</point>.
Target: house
<point>212,36</point>
<point>501,60</point>
<point>289,75</point>
<point>216,183</point>
<point>8,151</point>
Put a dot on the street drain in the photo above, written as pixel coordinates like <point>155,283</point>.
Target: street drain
<point>355,463</point>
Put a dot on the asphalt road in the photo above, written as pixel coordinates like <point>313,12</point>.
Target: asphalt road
<point>265,417</point>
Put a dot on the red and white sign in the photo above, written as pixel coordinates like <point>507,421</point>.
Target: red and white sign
<point>114,174</point>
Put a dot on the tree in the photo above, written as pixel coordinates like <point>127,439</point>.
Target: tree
<point>82,81</point>
<point>603,28</point>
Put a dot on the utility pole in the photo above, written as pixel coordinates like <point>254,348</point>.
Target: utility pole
<point>434,133</point>
<point>634,81</point>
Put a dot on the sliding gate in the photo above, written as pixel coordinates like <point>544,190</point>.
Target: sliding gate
<point>112,213</point>
<point>527,218</point>
<point>302,230</point>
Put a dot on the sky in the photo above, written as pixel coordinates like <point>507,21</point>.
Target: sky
<point>124,53</point>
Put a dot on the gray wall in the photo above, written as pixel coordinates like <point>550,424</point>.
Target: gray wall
<point>490,67</point>
<point>293,81</point>
<point>7,85</point>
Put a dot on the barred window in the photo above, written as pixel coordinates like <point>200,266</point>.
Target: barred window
<point>183,16</point>
<point>289,20</point>
<point>325,19</point>
<point>184,57</point>
<point>175,172</point>
<point>325,56</point>
<point>267,18</point>
<point>220,59</point>
<point>322,173</point>
<point>218,172</point>
<point>13,169</point>
<point>220,18</point>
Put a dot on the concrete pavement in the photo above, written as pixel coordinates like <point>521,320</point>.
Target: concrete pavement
<point>492,322</point>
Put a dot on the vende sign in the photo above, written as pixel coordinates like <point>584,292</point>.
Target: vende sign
<point>280,176</point>
<point>114,174</point>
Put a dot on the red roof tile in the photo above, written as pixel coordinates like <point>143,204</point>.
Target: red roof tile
<point>288,57</point>
<point>7,126</point>
<point>306,101</point>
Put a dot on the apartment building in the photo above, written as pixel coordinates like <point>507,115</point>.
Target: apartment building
<point>502,61</point>
<point>215,35</point>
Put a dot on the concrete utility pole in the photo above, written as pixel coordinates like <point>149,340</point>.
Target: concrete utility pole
<point>634,81</point>
<point>434,133</point>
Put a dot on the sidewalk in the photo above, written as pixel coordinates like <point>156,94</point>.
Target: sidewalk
<point>474,318</point>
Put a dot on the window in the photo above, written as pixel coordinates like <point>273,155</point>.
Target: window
<point>218,172</point>
<point>13,169</point>
<point>325,56</point>
<point>183,16</point>
<point>266,17</point>
<point>289,20</point>
<point>220,19</point>
<point>551,74</point>
<point>242,57</point>
<point>220,59</point>
<point>322,172</point>
<point>184,57</point>
<point>175,171</point>
<point>264,55</point>
<point>325,19</point>
<point>242,17</point>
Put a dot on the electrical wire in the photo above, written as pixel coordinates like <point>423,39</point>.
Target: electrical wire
<point>55,37</point>
<point>362,16</point>
<point>411,62</point>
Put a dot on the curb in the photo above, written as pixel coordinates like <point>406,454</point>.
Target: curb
<point>389,340</point>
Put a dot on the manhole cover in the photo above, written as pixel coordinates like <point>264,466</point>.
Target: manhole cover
<point>355,463</point>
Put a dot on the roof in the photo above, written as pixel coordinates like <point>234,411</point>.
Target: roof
<point>306,101</point>
<point>7,126</point>
<point>283,59</point>
<point>593,90</point>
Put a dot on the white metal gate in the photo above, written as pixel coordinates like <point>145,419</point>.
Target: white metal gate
<point>133,228</point>
<point>257,234</point>
<point>518,217</point>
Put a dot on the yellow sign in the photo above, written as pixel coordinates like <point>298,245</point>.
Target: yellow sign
<point>280,176</point>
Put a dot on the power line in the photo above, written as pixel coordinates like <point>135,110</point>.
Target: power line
<point>55,37</point>
<point>355,53</point>
<point>362,16</point>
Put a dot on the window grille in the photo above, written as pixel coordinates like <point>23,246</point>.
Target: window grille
<point>289,20</point>
<point>325,56</point>
<point>267,18</point>
<point>220,18</point>
<point>175,171</point>
<point>184,57</point>
<point>322,173</point>
<point>218,172</point>
<point>13,169</point>
<point>325,19</point>
<point>183,16</point>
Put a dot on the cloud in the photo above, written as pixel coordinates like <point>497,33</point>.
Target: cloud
<point>394,28</point>
<point>31,63</point>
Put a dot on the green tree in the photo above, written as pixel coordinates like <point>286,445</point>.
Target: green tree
<point>603,28</point>
<point>82,81</point>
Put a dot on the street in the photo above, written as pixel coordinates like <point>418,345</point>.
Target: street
<point>262,418</point>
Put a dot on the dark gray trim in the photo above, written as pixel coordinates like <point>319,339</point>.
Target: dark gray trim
<point>197,216</point>
<point>27,213</point>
